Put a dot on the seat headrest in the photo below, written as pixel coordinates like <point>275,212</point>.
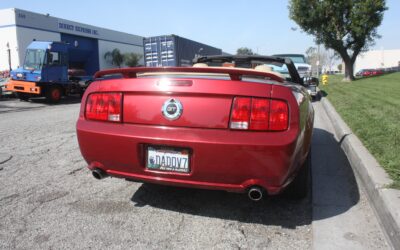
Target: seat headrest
<point>268,69</point>
<point>263,68</point>
<point>200,65</point>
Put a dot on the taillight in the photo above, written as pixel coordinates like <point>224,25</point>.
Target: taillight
<point>241,113</point>
<point>259,114</point>
<point>279,116</point>
<point>104,107</point>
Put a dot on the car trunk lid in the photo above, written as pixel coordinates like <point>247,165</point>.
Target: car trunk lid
<point>196,102</point>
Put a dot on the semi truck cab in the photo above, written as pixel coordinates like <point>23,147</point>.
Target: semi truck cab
<point>44,73</point>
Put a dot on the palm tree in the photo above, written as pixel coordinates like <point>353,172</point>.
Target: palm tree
<point>132,59</point>
<point>114,57</point>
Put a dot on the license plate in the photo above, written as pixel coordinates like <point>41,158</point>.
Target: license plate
<point>168,159</point>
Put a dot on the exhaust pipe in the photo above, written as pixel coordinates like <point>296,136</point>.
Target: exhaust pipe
<point>99,174</point>
<point>255,193</point>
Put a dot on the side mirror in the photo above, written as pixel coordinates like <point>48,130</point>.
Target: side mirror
<point>49,59</point>
<point>308,80</point>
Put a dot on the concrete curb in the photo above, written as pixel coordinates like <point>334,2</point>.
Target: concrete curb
<point>386,201</point>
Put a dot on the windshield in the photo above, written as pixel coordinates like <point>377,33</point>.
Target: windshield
<point>34,59</point>
<point>298,59</point>
<point>294,58</point>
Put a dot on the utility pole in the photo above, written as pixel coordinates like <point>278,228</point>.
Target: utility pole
<point>318,61</point>
<point>9,55</point>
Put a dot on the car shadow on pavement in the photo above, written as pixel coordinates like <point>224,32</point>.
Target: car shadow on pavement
<point>223,205</point>
<point>335,188</point>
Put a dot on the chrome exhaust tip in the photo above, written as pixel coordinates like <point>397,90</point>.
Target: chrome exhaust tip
<point>255,193</point>
<point>99,174</point>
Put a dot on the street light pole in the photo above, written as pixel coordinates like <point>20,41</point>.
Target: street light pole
<point>9,55</point>
<point>318,61</point>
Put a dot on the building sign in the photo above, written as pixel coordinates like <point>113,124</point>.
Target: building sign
<point>76,28</point>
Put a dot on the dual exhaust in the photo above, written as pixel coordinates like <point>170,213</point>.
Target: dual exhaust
<point>99,174</point>
<point>255,193</point>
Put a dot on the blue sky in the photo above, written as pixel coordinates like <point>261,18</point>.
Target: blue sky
<point>262,25</point>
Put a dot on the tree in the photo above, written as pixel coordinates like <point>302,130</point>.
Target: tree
<point>312,58</point>
<point>310,54</point>
<point>244,51</point>
<point>132,59</point>
<point>339,67</point>
<point>346,26</point>
<point>114,57</point>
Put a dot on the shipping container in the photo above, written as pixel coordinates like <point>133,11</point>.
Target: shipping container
<point>172,50</point>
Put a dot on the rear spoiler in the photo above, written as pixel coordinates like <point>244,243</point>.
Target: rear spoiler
<point>234,73</point>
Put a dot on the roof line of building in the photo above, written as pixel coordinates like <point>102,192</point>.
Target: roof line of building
<point>47,30</point>
<point>63,19</point>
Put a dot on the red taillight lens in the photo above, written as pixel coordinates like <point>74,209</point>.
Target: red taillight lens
<point>104,107</point>
<point>240,113</point>
<point>259,114</point>
<point>279,116</point>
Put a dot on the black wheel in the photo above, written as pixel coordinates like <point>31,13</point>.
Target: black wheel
<point>53,94</point>
<point>298,189</point>
<point>23,96</point>
<point>81,92</point>
<point>84,86</point>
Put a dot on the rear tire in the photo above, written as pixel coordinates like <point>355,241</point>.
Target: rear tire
<point>53,94</point>
<point>23,96</point>
<point>298,189</point>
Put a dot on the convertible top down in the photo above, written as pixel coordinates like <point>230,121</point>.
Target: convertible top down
<point>237,129</point>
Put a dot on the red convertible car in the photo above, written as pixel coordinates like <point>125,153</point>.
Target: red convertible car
<point>240,129</point>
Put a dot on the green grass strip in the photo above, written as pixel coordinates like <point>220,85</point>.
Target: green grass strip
<point>371,107</point>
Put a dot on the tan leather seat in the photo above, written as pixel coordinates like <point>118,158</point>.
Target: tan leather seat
<point>268,69</point>
<point>200,65</point>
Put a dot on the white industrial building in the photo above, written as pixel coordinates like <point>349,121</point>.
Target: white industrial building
<point>19,27</point>
<point>375,59</point>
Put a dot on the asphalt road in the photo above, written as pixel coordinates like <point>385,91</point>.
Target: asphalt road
<point>48,199</point>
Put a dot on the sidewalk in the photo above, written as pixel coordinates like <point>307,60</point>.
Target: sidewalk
<point>386,201</point>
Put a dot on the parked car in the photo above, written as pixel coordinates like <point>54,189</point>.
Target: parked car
<point>364,72</point>
<point>370,72</point>
<point>376,72</point>
<point>360,72</point>
<point>367,72</point>
<point>223,128</point>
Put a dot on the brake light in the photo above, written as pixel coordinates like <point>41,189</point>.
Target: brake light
<point>104,107</point>
<point>279,116</point>
<point>259,114</point>
<point>240,113</point>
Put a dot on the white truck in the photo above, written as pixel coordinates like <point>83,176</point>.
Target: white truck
<point>304,70</point>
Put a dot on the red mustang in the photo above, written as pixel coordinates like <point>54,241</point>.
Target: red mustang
<point>239,129</point>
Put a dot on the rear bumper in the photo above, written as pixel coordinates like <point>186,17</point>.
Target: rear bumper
<point>221,159</point>
<point>23,87</point>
